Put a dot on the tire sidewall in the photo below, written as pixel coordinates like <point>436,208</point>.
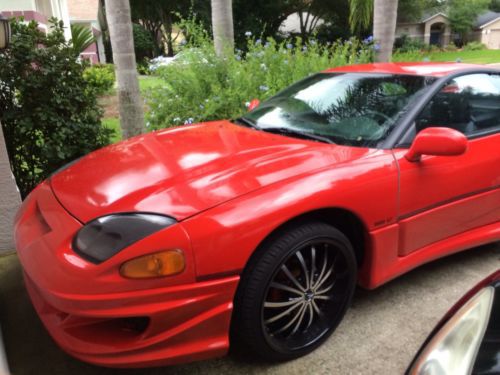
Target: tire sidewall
<point>266,263</point>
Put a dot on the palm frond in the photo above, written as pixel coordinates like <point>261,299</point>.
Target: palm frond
<point>361,13</point>
<point>82,38</point>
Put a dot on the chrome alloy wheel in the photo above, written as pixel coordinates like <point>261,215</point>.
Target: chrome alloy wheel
<point>305,294</point>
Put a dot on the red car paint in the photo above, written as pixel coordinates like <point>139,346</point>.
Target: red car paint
<point>230,187</point>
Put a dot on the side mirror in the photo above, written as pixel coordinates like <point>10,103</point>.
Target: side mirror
<point>468,334</point>
<point>437,142</point>
<point>253,104</point>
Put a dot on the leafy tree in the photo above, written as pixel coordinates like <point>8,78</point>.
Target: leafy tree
<point>48,113</point>
<point>263,18</point>
<point>463,13</point>
<point>495,5</point>
<point>81,38</point>
<point>361,12</point>
<point>143,42</point>
<point>158,17</point>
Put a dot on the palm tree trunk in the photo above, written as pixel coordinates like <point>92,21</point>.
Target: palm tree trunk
<point>122,44</point>
<point>385,15</point>
<point>222,24</point>
<point>9,198</point>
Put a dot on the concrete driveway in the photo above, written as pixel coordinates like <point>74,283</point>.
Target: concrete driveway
<point>380,334</point>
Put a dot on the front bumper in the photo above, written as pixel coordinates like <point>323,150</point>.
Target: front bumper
<point>99,317</point>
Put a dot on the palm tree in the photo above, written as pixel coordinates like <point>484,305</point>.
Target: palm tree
<point>222,24</point>
<point>385,14</point>
<point>122,44</point>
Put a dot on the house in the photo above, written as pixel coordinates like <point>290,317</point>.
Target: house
<point>434,28</point>
<point>487,30</point>
<point>89,13</point>
<point>82,12</point>
<point>38,10</point>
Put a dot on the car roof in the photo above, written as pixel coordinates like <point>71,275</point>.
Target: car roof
<point>435,69</point>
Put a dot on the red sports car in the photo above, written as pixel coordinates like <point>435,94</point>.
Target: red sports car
<point>167,247</point>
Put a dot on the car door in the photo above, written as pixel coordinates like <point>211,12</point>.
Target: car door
<point>441,197</point>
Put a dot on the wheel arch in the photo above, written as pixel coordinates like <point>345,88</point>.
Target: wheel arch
<point>343,219</point>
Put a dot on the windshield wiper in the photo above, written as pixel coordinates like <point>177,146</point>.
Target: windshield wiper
<point>247,122</point>
<point>289,131</point>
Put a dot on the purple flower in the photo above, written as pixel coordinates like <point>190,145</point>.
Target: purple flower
<point>376,47</point>
<point>289,46</point>
<point>368,40</point>
<point>258,41</point>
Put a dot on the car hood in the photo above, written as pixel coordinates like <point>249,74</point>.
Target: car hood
<point>183,171</point>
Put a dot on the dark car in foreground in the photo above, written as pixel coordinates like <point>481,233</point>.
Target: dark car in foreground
<point>467,340</point>
<point>166,247</point>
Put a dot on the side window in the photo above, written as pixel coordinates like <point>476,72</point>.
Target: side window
<point>469,104</point>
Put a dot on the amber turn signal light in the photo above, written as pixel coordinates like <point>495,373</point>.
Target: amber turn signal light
<point>165,263</point>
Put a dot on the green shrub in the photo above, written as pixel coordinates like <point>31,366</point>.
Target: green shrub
<point>474,46</point>
<point>407,44</point>
<point>432,48</point>
<point>143,67</point>
<point>143,42</point>
<point>451,47</point>
<point>411,56</point>
<point>100,78</point>
<point>199,86</point>
<point>49,117</point>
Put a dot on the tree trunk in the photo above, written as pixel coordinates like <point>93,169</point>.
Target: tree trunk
<point>168,27</point>
<point>9,198</point>
<point>122,43</point>
<point>384,27</point>
<point>222,24</point>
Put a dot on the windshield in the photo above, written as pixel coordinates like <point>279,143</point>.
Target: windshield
<point>354,109</point>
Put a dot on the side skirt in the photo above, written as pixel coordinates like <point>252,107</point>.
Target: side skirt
<point>383,264</point>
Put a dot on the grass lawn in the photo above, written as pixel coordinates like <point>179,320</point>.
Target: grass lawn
<point>148,82</point>
<point>114,124</point>
<point>110,105</point>
<point>488,56</point>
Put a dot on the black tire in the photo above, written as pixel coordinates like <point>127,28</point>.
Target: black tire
<point>265,286</point>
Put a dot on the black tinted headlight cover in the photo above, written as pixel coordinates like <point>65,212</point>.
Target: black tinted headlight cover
<point>104,237</point>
